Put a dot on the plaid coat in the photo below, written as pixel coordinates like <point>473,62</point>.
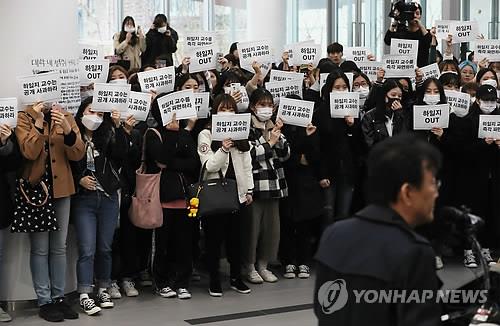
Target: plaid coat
<point>267,168</point>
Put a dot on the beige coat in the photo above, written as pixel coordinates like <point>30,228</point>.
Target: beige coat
<point>128,52</point>
<point>32,145</point>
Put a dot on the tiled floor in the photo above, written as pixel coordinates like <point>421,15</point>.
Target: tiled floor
<point>148,309</point>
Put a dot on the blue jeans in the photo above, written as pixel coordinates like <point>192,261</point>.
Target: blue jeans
<point>95,216</point>
<point>48,256</point>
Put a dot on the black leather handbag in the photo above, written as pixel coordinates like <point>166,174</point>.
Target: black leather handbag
<point>216,196</point>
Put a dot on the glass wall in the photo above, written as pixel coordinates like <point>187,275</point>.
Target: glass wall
<point>185,16</point>
<point>230,22</point>
<point>311,22</point>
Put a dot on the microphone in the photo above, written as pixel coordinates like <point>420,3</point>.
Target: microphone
<point>461,215</point>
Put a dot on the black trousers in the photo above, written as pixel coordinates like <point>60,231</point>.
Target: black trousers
<point>131,246</point>
<point>223,229</point>
<point>173,263</point>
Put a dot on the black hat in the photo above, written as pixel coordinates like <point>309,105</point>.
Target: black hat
<point>349,66</point>
<point>487,93</point>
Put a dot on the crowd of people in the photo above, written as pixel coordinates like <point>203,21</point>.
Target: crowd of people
<point>292,181</point>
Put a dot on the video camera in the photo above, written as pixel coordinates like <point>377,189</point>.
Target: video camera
<point>403,12</point>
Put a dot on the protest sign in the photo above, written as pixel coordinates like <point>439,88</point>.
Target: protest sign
<point>343,104</point>
<point>408,48</point>
<point>201,102</point>
<point>259,51</point>
<point>199,39</point>
<point>202,59</point>
<point>458,101</point>
<point>305,53</point>
<point>356,54</point>
<point>399,66</point>
<point>431,71</point>
<point>464,31</point>
<point>426,117</point>
<point>181,102</point>
<point>109,97</point>
<point>279,75</point>
<point>295,112</point>
<point>159,80</point>
<point>489,49</point>
<point>8,111</point>
<point>489,126</point>
<point>43,87</point>
<point>235,126</point>
<point>89,52</point>
<point>93,71</point>
<point>442,29</point>
<point>138,106</point>
<point>284,88</point>
<point>370,68</point>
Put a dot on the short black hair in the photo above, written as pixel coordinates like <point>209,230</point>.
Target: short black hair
<point>395,161</point>
<point>335,48</point>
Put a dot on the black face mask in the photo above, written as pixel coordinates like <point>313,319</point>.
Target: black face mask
<point>388,105</point>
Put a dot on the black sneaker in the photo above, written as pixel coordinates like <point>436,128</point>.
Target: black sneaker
<point>239,286</point>
<point>215,289</point>
<point>89,307</point>
<point>67,311</point>
<point>49,312</point>
<point>104,300</point>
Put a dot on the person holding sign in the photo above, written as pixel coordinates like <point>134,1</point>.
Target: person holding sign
<point>269,149</point>
<point>361,84</point>
<point>389,116</point>
<point>431,93</point>
<point>130,43</point>
<point>480,181</point>
<point>95,207</point>
<point>301,212</point>
<point>49,139</point>
<point>10,158</point>
<point>117,75</point>
<point>161,41</point>
<point>233,159</point>
<point>341,143</point>
<point>174,154</point>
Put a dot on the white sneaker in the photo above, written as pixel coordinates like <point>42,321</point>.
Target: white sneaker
<point>166,292</point>
<point>4,316</point>
<point>129,288</point>
<point>254,277</point>
<point>439,263</point>
<point>114,291</point>
<point>268,276</point>
<point>89,307</point>
<point>183,294</point>
<point>290,271</point>
<point>304,271</point>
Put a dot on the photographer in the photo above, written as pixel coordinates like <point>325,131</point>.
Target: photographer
<point>407,25</point>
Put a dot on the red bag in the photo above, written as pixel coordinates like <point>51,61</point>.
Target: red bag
<point>145,211</point>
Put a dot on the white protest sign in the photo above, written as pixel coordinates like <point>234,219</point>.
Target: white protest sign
<point>199,39</point>
<point>259,51</point>
<point>8,111</point>
<point>370,68</point>
<point>201,102</point>
<point>396,66</point>
<point>279,75</point>
<point>160,80</point>
<point>109,97</point>
<point>89,52</point>
<point>304,54</point>
<point>181,102</point>
<point>138,106</point>
<point>264,69</point>
<point>457,100</point>
<point>489,126</point>
<point>426,117</point>
<point>290,49</point>
<point>442,29</point>
<point>344,104</point>
<point>284,88</point>
<point>43,87</point>
<point>464,31</point>
<point>489,49</point>
<point>93,71</point>
<point>322,81</point>
<point>404,47</point>
<point>236,126</point>
<point>69,78</point>
<point>356,54</point>
<point>295,112</point>
<point>431,71</point>
<point>202,59</point>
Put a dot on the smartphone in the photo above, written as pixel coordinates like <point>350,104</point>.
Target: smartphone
<point>218,65</point>
<point>56,107</point>
<point>235,87</point>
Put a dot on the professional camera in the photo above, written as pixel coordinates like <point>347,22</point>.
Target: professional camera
<point>403,12</point>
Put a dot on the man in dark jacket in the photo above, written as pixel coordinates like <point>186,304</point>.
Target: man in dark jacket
<point>402,189</point>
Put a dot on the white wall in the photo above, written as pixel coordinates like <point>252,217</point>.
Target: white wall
<point>34,27</point>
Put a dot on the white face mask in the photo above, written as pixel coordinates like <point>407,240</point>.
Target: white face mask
<point>91,121</point>
<point>264,114</point>
<point>162,29</point>
<point>118,81</point>
<point>460,112</point>
<point>363,92</point>
<point>472,99</point>
<point>226,113</point>
<point>129,29</point>
<point>491,82</point>
<point>487,106</point>
<point>86,94</point>
<point>432,99</point>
